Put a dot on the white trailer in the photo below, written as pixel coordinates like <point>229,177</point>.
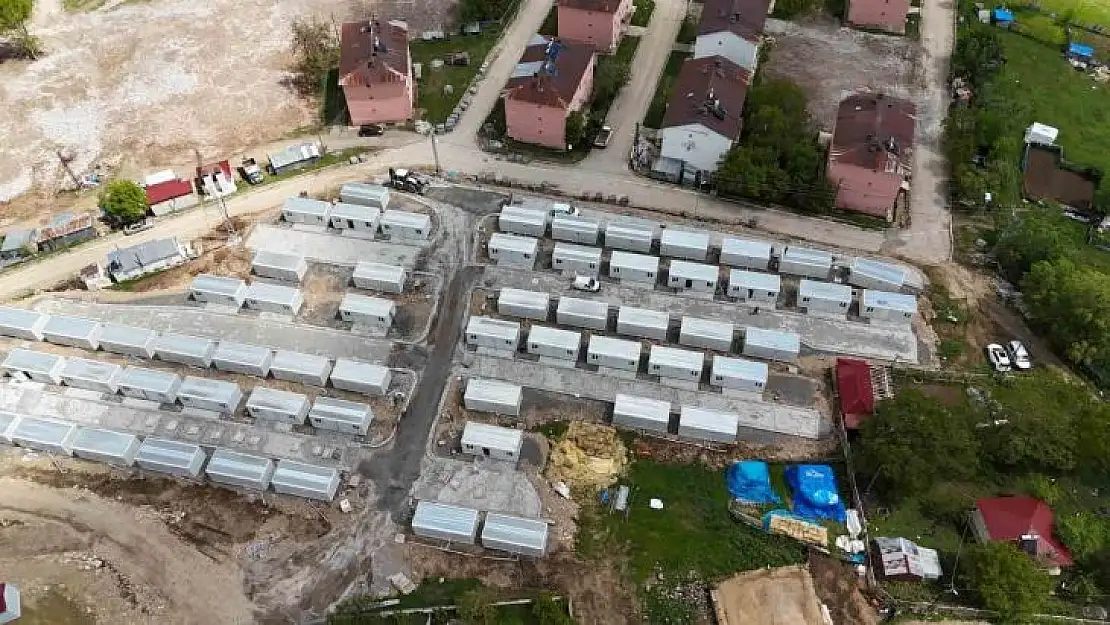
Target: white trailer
<point>361,377</point>
<point>643,323</point>
<point>127,340</point>
<point>73,332</point>
<point>582,313</point>
<point>305,480</point>
<point>208,394</point>
<point>341,416</point>
<point>270,404</point>
<point>303,368</point>
<point>445,522</point>
<point>222,290</point>
<point>693,277</point>
<point>374,312</point>
<point>193,351</point>
<point>746,253</point>
<point>515,534</point>
<point>232,468</point>
<point>171,457</point>
<point>771,344</point>
<point>574,229</point>
<point>739,373</point>
<point>628,237</point>
<point>872,274</point>
<point>379,277</point>
<point>520,220</point>
<point>406,225</point>
<point>92,375</point>
<point>754,288</point>
<point>21,323</point>
<point>806,262</point>
<point>577,260</point>
<point>493,333</point>
<point>706,333</point>
<point>678,364</point>
<point>496,396</point>
<point>824,297</point>
<point>274,298</point>
<point>106,446</point>
<point>373,195</point>
<point>684,244</point>
<point>303,210</point>
<point>149,384</point>
<point>523,304</point>
<point>604,351</point>
<point>708,425</point>
<point>629,267</point>
<point>363,219</point>
<point>554,343</point>
<point>510,250</point>
<point>243,358</point>
<point>49,435</point>
<point>491,441</point>
<point>881,306</point>
<point>641,413</point>
<point>24,364</point>
<point>279,266</point>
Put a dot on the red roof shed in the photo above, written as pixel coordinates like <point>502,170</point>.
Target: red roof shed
<point>1009,519</point>
<point>168,190</point>
<point>857,396</point>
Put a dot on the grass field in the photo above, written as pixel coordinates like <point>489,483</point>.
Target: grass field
<point>1082,11</point>
<point>438,105</point>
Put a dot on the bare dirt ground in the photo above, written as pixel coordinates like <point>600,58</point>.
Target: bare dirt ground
<point>769,597</point>
<point>841,590</point>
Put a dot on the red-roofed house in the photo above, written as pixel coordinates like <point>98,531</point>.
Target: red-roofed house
<point>855,391</point>
<point>170,196</point>
<point>375,71</point>
<point>871,153</point>
<point>215,179</point>
<point>888,15</point>
<point>551,81</point>
<point>600,23</point>
<point>732,29</point>
<point>1024,521</point>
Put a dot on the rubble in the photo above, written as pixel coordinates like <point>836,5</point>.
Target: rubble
<point>589,456</point>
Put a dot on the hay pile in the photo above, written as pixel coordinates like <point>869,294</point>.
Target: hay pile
<point>589,456</point>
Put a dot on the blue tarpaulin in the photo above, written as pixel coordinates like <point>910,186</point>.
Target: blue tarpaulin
<point>815,494</point>
<point>749,481</point>
<point>1080,50</point>
<point>1002,16</point>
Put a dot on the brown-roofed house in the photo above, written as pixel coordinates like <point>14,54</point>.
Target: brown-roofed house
<point>888,15</point>
<point>871,153</point>
<point>732,29</point>
<point>551,81</point>
<point>600,23</point>
<point>375,71</point>
<point>703,117</point>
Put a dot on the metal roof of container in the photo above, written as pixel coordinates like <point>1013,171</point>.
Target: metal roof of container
<point>520,297</point>
<point>7,418</point>
<point>629,260</point>
<point>294,154</point>
<point>340,410</point>
<point>358,371</point>
<point>446,518</point>
<point>144,254</point>
<point>370,306</point>
<point>829,291</point>
<point>16,238</point>
<point>304,476</point>
<point>359,212</point>
<point>379,271</point>
<point>674,357</point>
<point>43,431</point>
<point>891,274</point>
<point>19,317</point>
<point>376,191</point>
<point>620,348</point>
<point>783,341</point>
<point>497,391</point>
<point>274,293</point>
<point>166,452</point>
<point>582,307</point>
<point>488,326</point>
<point>85,369</point>
<point>280,401</point>
<point>266,258</point>
<point>890,301</point>
<point>71,326</point>
<point>694,271</point>
<point>492,436</point>
<point>306,206</point>
<point>242,353</point>
<point>807,256</point>
<point>222,285</point>
<point>563,339</point>
<point>106,442</point>
<point>285,360</point>
<point>709,420</point>
<point>528,534</point>
<point>579,252</point>
<point>152,379</point>
<point>642,317</point>
<point>406,219</point>
<point>571,222</point>
<point>207,388</point>
<point>29,360</point>
<point>514,242</point>
<point>685,238</point>
<point>237,465</point>
<point>525,214</point>
<point>126,335</point>
<point>628,231</point>
<point>768,282</point>
<point>642,408</point>
<point>742,368</point>
<point>751,248</point>
<point>184,344</point>
<point>707,327</point>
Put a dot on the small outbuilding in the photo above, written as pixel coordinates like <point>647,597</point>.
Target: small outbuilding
<point>644,323</point>
<point>554,343</point>
<point>520,220</point>
<point>493,333</point>
<point>692,277</point>
<point>72,331</point>
<point>902,560</point>
<point>527,537</point>
<point>575,229</point>
<point>882,306</point>
<point>49,435</point>
<point>677,364</point>
<point>208,394</point>
<point>243,358</point>
<point>149,384</point>
<point>128,340</point>
<point>91,374</point>
<point>303,368</point>
<point>746,253</point>
<point>171,457</point>
<point>577,260</point>
<point>355,217</point>
<point>872,274</point>
<point>510,250</point>
<point>523,304</point>
<point>233,468</point>
<point>24,364</point>
<point>826,298</point>
<point>269,404</point>
<point>183,349</point>
<point>754,288</point>
<point>605,351</point>
<point>806,262</point>
<point>641,413</point>
<point>771,344</point>
<point>492,441</point>
<point>294,157</point>
<point>375,312</point>
<point>379,277</point>
<point>339,415</point>
<point>21,323</point>
<point>222,290</point>
<point>307,211</point>
<point>684,244</point>
<point>494,396</point>
<point>117,448</point>
<point>445,522</point>
<point>274,298</point>
<point>582,313</point>
<point>708,425</point>
<point>629,267</point>
<point>361,377</point>
<point>373,195</point>
<point>305,480</point>
<point>739,374</point>
<point>706,333</point>
<point>406,225</point>
<point>628,237</point>
<point>279,266</point>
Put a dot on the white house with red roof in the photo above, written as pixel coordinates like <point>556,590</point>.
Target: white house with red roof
<point>170,196</point>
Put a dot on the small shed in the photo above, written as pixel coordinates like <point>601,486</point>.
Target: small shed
<point>806,262</point>
<point>887,307</point>
<point>270,404</point>
<point>824,297</point>
<point>630,267</point>
<point>406,225</point>
<point>355,217</point>
<point>305,480</point>
<point>106,446</point>
<point>183,349</point>
<point>491,441</point>
<point>297,367</point>
<point>739,373</point>
<point>678,364</point>
<point>576,259</point>
<point>21,323</point>
<point>373,195</point>
<point>693,277</point>
<point>274,298</point>
<point>872,274</point>
<point>706,333</point>
<point>641,413</point>
<point>644,323</point>
<point>554,343</point>
<point>746,253</point>
<point>524,304</point>
<point>91,374</point>
<point>574,229</point>
<point>527,537</point>
<point>208,394</point>
<point>128,340</point>
<point>628,237</point>
<point>243,358</point>
<point>771,344</point>
<point>294,157</point>
<point>444,522</point>
<point>494,396</point>
<point>684,244</point>
<point>379,277</point>
<point>210,289</point>
<point>171,457</point>
<point>520,220</point>
<point>605,351</point>
<point>72,331</point>
<point>708,425</point>
<point>582,313</point>
<point>493,333</point>
<point>49,435</point>
<point>754,288</point>
<point>374,312</point>
<point>24,364</point>
<point>510,250</point>
<point>279,266</point>
<point>303,210</point>
<point>232,468</point>
<point>361,377</point>
<point>339,415</point>
<point>149,384</point>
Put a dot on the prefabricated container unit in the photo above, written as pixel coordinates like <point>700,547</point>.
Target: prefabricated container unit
<point>679,364</point>
<point>524,304</point>
<point>6,420</point>
<point>648,324</point>
<point>642,413</point>
<point>49,435</point>
<point>706,333</point>
<point>274,298</point>
<point>771,344</point>
<point>73,331</point>
<point>492,441</point>
<point>694,277</point>
<point>577,260</point>
<point>746,253</point>
<point>106,446</point>
<point>445,522</point>
<point>297,367</point>
<point>345,216</point>
<point>739,373</point>
<point>806,262</point>
<point>24,364</point>
<point>406,225</point>
<point>884,306</point>
<point>183,349</point>
<point>510,250</point>
<point>872,274</point>
<point>303,210</point>
<point>629,267</point>
<point>574,229</point>
<point>520,220</point>
<point>379,277</point>
<point>91,374</point>
<point>527,537</point>
<point>605,351</point>
<point>149,384</point>
<point>493,333</point>
<point>684,244</point>
<point>305,480</point>
<point>341,416</point>
<point>243,358</point>
<point>371,311</point>
<point>271,404</point>
<point>708,425</point>
<point>209,289</point>
<point>208,394</point>
<point>361,377</point>
<point>493,396</point>
<point>232,468</point>
<point>374,195</point>
<point>582,313</point>
<point>554,343</point>
<point>171,457</point>
<point>754,288</point>
<point>626,237</point>
<point>824,297</point>
<point>21,323</point>
<point>279,266</point>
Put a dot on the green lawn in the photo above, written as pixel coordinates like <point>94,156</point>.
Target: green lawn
<point>436,104</point>
<point>658,107</point>
<point>1082,11</point>
<point>644,9</point>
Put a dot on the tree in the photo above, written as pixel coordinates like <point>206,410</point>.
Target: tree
<point>1008,581</point>
<point>1033,421</point>
<point>475,607</point>
<point>576,128</point>
<point>124,202</point>
<point>1072,305</point>
<point>1036,237</point>
<point>315,54</point>
<point>611,74</point>
<point>14,15</point>
<point>548,611</point>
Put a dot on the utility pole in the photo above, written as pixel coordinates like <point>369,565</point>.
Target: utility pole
<point>435,150</point>
<point>232,237</point>
<point>69,170</point>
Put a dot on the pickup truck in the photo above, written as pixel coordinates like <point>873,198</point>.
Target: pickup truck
<point>251,171</point>
<point>603,136</point>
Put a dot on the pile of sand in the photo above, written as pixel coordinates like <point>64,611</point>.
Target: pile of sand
<point>589,456</point>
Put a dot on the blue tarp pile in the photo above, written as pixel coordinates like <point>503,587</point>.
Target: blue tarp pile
<point>749,482</point>
<point>1002,16</point>
<point>1080,50</point>
<point>815,494</point>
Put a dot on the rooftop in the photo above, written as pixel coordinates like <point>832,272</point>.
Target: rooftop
<point>739,368</point>
<point>829,291</point>
<point>1009,519</point>
<point>674,357</point>
<point>785,341</point>
<point>276,293</point>
<point>696,271</point>
<point>629,260</point>
<point>600,6</point>
<point>642,317</point>
<point>550,82</point>
<point>545,335</point>
<point>769,282</point>
<point>223,285</point>
<point>685,238</point>
<point>709,91</point>
<point>746,247</point>
<point>807,255</point>
<point>168,190</point>
<point>709,420</point>
<point>406,219</point>
<point>890,301</point>
<point>306,206</point>
<point>365,305</point>
<point>492,436</point>
<point>615,347</point>
<point>884,271</point>
<point>502,241</point>
<point>873,131</point>
<point>144,254</point>
<point>373,53</point>
<point>294,154</point>
<point>742,17</point>
<point>853,387</point>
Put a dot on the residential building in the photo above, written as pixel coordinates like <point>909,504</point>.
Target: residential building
<point>240,470</point>
<point>855,391</point>
<point>273,405</point>
<point>693,277</point>
<point>872,274</point>
<point>375,71</point>
<point>491,441</point>
<point>643,323</point>
<point>739,374</point>
<point>294,157</point>
<point>223,290</point>
<point>494,396</point>
<point>208,394</point>
<point>605,351</point>
<point>139,260</point>
<point>72,331</point>
<point>193,351</point>
<point>243,358</point>
<point>630,267</point>
<point>440,521</point>
<point>806,262</point>
<point>170,196</point>
<point>521,220</point>
<point>514,534</point>
<point>493,333</point>
<point>511,250</point>
<point>149,385</point>
<point>374,312</point>
<point>361,377</point>
<point>273,298</point>
<point>881,306</point>
<point>171,457</point>
<point>379,277</point>
<point>304,210</point>
<point>575,229</point>
<point>746,253</point>
<point>708,425</point>
<point>1025,522</point>
<point>339,415</point>
<point>582,313</point>
<point>279,266</point>
<point>827,298</point>
<point>305,480</point>
<point>49,435</point>
<point>359,217</point>
<point>732,29</point>
<point>299,367</point>
<point>771,344</point>
<point>871,153</point>
<point>554,343</point>
<point>551,81</point>
<point>886,15</point>
<point>703,117</point>
<point>754,288</point>
<point>372,195</point>
<point>216,179</point>
<point>674,363</point>
<point>706,333</point>
<point>576,260</point>
<point>22,323</point>
<point>127,340</point>
<point>18,243</point>
<point>105,446</point>
<point>65,230</point>
<point>600,23</point>
<point>523,304</point>
<point>628,237</point>
<point>406,225</point>
<point>642,413</point>
<point>684,244</point>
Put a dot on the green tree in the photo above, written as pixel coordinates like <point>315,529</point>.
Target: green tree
<point>611,74</point>
<point>1008,581</point>
<point>124,202</point>
<point>315,53</point>
<point>475,607</point>
<point>14,15</point>
<point>576,128</point>
<point>1036,237</point>
<point>1072,305</point>
<point>548,611</point>
<point>1033,423</point>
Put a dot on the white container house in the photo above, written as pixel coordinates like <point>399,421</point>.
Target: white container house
<point>684,244</point>
<point>604,351</point>
<point>91,374</point>
<point>128,340</point>
<point>279,266</point>
<point>493,333</point>
<point>630,238</point>
<point>445,522</point>
<point>746,253</point>
<point>232,468</point>
<point>24,364</point>
<point>887,307</point>
<point>297,367</point>
<point>514,534</point>
<point>355,217</point>
<point>207,394</point>
<point>274,298</point>
<point>771,344</point>
<point>520,220</point>
<point>629,267</point>
<point>72,331</point>
<point>406,225</point>
<point>643,323</point>
<point>270,404</point>
<point>708,425</point>
<point>21,323</point>
<point>171,457</point>
<point>739,373</point>
<point>491,441</point>
<point>361,377</point>
<point>340,415</point>
<point>303,210</point>
<point>510,250</point>
<point>243,358</point>
<point>222,290</point>
<point>679,364</point>
<point>193,351</point>
<point>374,312</point>
<point>106,446</point>
<point>706,333</point>
<point>149,384</point>
<point>305,480</point>
<point>357,193</point>
<point>806,262</point>
<point>554,343</point>
<point>574,229</point>
<point>754,288</point>
<point>582,313</point>
<point>49,435</point>
<point>693,277</point>
<point>523,304</point>
<point>641,413</point>
<point>494,396</point>
<point>577,260</point>
<point>6,420</point>
<point>872,274</point>
<point>824,297</point>
<point>379,277</point>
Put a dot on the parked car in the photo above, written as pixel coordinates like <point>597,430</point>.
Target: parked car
<point>561,208</point>
<point>371,130</point>
<point>603,137</point>
<point>1019,356</point>
<point>998,357</point>
<point>586,283</point>
<point>251,172</point>
<point>139,226</point>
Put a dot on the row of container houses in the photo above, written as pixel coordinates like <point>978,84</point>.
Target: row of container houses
<point>459,525</point>
<point>653,415</point>
<point>360,209</point>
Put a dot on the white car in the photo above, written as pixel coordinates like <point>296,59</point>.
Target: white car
<point>998,357</point>
<point>1019,356</point>
<point>586,283</point>
<point>561,208</point>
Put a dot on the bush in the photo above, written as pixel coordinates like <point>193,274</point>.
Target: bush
<point>315,52</point>
<point>124,202</point>
<point>475,607</point>
<point>1008,581</point>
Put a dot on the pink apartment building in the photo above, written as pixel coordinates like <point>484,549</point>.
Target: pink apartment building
<point>888,15</point>
<point>551,81</point>
<point>598,22</point>
<point>375,71</point>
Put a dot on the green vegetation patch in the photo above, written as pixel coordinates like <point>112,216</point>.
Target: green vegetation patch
<point>437,104</point>
<point>644,10</point>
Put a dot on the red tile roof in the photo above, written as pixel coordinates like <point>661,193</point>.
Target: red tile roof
<point>1007,519</point>
<point>168,190</point>
<point>552,89</point>
<point>601,6</point>
<point>701,80</point>
<point>743,17</point>
<point>865,126</point>
<point>372,53</point>
<point>853,385</point>
<point>212,168</point>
